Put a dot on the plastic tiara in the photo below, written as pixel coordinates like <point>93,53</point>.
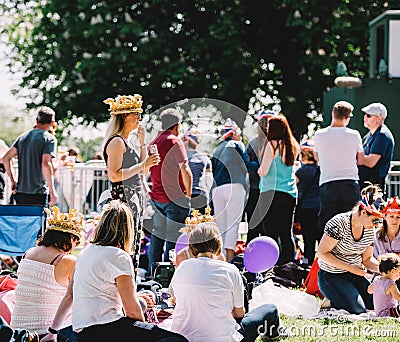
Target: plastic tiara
<point>196,219</point>
<point>70,222</point>
<point>124,104</point>
<point>392,206</point>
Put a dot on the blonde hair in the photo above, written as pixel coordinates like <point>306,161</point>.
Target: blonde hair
<point>115,126</point>
<point>116,227</point>
<point>205,237</point>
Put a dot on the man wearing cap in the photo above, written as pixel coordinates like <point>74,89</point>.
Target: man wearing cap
<point>171,187</point>
<point>338,150</point>
<point>378,146</point>
<point>35,150</point>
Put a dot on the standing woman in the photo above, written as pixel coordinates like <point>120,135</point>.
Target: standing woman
<point>278,190</point>
<point>387,239</point>
<point>126,167</point>
<point>230,165</point>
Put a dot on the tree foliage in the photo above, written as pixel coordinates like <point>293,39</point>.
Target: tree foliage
<point>76,53</point>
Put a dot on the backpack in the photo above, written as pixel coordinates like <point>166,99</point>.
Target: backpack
<point>310,284</point>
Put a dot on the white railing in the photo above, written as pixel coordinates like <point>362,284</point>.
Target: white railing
<point>80,186</point>
<point>393,180</point>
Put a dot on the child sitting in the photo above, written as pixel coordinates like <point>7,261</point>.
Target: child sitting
<point>384,289</point>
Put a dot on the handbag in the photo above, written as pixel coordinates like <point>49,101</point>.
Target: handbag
<point>296,219</point>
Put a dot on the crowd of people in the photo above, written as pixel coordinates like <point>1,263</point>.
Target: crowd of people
<point>354,229</point>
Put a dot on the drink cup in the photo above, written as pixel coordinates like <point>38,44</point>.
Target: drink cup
<point>153,149</point>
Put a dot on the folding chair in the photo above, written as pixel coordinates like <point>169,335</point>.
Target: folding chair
<point>20,226</point>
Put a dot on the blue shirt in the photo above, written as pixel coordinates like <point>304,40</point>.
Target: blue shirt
<point>198,163</point>
<point>280,177</point>
<point>380,142</point>
<point>230,163</point>
<point>308,174</point>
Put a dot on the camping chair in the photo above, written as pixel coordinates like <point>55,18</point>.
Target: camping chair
<point>20,226</point>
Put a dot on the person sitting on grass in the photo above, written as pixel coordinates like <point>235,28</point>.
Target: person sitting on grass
<point>384,288</point>
<point>387,239</point>
<point>102,291</point>
<point>345,254</point>
<point>44,274</point>
<point>209,296</point>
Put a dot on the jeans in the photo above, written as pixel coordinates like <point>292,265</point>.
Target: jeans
<point>346,291</point>
<point>168,219</point>
<point>337,197</point>
<point>127,329</point>
<point>263,320</point>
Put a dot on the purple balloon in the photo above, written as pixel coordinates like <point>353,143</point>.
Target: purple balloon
<point>261,254</point>
<point>181,243</point>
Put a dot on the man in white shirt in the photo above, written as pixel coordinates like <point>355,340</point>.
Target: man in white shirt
<point>338,150</point>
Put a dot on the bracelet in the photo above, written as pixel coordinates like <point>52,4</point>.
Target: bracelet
<point>53,331</point>
<point>142,146</point>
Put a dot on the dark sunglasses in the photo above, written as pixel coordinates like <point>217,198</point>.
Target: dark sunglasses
<point>368,115</point>
<point>376,221</point>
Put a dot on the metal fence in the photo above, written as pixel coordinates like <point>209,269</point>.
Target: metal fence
<point>393,180</point>
<point>79,186</point>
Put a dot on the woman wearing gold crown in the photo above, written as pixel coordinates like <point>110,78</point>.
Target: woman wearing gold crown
<point>102,291</point>
<point>125,166</point>
<point>44,274</point>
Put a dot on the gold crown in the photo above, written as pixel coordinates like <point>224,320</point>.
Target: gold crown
<point>197,218</point>
<point>70,222</point>
<point>125,104</point>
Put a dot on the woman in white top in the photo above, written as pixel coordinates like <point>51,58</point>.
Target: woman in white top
<point>102,291</point>
<point>44,274</point>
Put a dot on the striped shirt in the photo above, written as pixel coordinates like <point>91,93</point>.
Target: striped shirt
<point>347,249</point>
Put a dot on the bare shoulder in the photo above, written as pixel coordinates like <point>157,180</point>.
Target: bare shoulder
<point>68,260</point>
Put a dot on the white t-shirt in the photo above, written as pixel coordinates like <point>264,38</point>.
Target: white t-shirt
<point>206,291</point>
<point>337,149</point>
<point>96,298</point>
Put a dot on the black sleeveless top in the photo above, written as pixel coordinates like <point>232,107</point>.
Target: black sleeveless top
<point>130,158</point>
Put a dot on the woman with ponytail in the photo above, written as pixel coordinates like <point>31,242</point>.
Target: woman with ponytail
<point>278,190</point>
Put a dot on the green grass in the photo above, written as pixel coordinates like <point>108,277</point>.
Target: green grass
<point>300,330</point>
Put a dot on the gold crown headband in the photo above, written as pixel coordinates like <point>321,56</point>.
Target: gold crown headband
<point>70,222</point>
<point>196,219</point>
<point>124,104</point>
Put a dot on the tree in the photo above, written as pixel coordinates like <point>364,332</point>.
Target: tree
<point>77,53</point>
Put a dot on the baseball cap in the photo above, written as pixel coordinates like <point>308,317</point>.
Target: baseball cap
<point>376,108</point>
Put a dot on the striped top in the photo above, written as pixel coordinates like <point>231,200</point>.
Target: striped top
<point>37,297</point>
<point>347,249</point>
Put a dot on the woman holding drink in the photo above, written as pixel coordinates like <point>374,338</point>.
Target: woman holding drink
<point>125,166</point>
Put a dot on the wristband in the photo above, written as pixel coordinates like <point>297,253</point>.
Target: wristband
<point>53,331</point>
